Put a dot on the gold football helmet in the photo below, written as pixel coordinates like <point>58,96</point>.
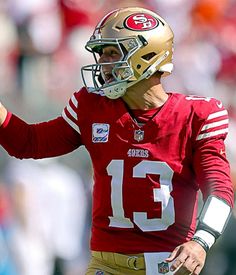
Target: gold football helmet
<point>145,41</point>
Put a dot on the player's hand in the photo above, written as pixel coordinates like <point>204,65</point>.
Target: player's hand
<point>3,114</point>
<point>188,258</point>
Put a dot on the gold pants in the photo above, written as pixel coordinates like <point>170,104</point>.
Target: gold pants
<point>108,263</point>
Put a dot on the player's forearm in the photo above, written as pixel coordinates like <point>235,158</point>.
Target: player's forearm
<point>3,114</point>
<point>213,171</point>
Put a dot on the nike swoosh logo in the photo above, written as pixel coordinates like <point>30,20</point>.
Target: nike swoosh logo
<point>220,105</point>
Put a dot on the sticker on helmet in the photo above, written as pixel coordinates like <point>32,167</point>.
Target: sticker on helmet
<point>141,22</point>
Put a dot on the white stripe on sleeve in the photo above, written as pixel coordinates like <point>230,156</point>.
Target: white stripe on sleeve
<point>72,112</point>
<point>217,114</point>
<point>212,134</point>
<point>74,101</point>
<point>70,122</point>
<point>215,124</point>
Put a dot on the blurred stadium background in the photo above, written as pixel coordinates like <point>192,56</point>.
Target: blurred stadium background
<point>41,53</point>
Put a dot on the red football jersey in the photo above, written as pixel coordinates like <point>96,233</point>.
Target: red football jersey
<point>146,179</point>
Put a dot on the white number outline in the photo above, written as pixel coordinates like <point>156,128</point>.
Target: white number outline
<point>162,194</point>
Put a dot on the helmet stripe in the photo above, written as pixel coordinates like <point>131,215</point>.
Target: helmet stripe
<point>105,18</point>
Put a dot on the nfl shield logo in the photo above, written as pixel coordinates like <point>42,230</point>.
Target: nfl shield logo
<point>163,268</point>
<point>138,135</point>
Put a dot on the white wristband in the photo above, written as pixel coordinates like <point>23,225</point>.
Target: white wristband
<point>206,236</point>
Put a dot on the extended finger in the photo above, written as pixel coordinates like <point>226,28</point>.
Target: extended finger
<point>197,270</point>
<point>178,262</point>
<point>187,267</point>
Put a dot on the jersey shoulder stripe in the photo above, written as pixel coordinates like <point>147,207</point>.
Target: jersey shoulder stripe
<point>210,118</point>
<point>80,106</point>
<point>70,113</point>
<point>215,124</point>
<point>70,122</point>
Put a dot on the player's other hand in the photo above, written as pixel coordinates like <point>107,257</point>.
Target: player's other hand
<point>188,258</point>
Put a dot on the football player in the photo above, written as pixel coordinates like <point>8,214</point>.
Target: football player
<point>151,151</point>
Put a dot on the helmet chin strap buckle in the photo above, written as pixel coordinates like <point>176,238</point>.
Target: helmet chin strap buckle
<point>115,91</point>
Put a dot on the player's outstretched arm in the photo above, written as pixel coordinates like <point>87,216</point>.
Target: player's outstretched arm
<point>3,114</point>
<point>41,140</point>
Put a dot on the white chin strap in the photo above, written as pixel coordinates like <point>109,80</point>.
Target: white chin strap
<point>117,90</point>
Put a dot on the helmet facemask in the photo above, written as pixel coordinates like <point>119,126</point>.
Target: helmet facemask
<point>121,71</point>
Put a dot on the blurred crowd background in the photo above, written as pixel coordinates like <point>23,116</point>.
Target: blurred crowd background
<point>45,205</point>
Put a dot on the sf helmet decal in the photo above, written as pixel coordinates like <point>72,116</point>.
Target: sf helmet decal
<point>141,22</point>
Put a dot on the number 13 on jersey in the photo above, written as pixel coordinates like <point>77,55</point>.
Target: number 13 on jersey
<point>162,194</point>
